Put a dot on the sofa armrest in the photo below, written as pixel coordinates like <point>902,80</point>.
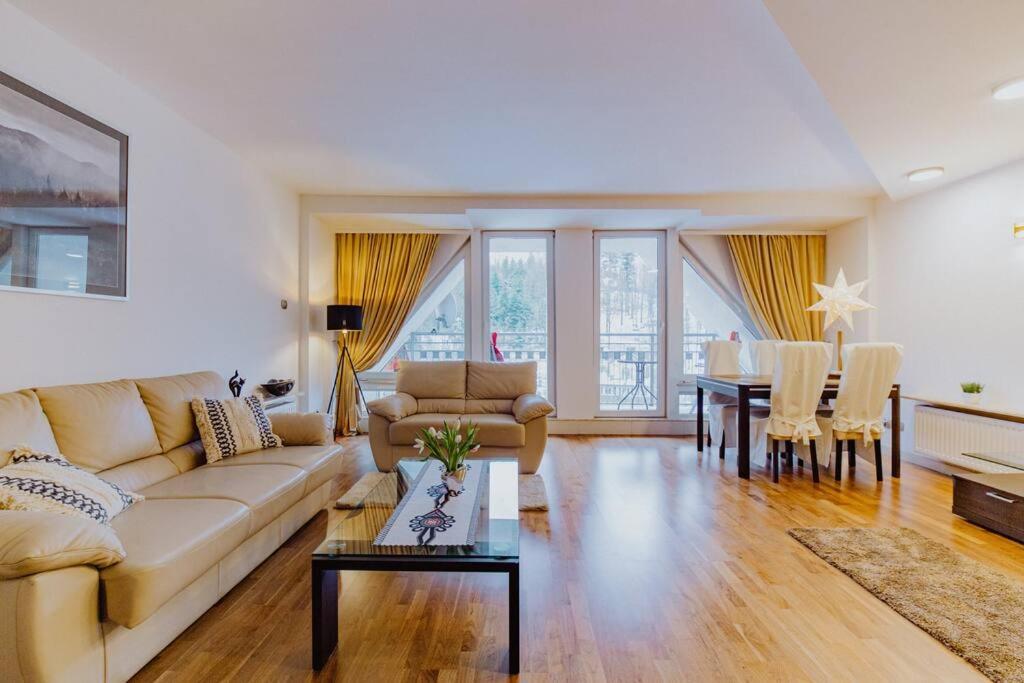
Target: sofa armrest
<point>51,626</point>
<point>529,407</point>
<point>302,429</point>
<point>394,407</point>
<point>34,542</point>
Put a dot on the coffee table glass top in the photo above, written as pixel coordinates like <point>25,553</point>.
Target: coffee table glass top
<point>497,530</point>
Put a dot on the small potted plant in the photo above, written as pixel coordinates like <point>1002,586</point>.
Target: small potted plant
<point>972,392</point>
<point>449,446</point>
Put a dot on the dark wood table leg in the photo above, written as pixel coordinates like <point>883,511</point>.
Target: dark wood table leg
<point>700,419</point>
<point>325,613</point>
<point>743,433</point>
<point>896,435</point>
<point>513,620</point>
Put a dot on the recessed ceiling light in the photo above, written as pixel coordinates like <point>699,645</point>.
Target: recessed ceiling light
<point>923,174</point>
<point>1011,90</point>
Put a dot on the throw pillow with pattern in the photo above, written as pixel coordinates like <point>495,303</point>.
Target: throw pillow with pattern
<point>45,482</point>
<point>233,426</point>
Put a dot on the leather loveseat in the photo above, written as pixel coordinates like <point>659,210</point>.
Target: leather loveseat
<point>499,398</point>
<point>200,530</point>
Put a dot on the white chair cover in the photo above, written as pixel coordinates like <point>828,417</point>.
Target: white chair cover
<point>762,355</point>
<point>869,371</point>
<point>722,357</point>
<point>801,370</point>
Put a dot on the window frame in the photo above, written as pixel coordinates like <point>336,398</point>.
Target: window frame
<point>662,331</point>
<point>687,384</point>
<point>382,380</point>
<point>485,290</point>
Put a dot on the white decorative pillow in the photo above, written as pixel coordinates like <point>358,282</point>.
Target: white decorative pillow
<point>233,426</point>
<point>41,482</point>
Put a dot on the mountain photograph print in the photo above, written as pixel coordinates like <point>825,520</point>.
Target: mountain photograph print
<point>63,197</point>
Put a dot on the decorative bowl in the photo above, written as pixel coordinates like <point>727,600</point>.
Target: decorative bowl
<point>278,387</point>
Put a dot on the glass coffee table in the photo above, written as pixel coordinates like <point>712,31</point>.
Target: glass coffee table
<point>349,545</point>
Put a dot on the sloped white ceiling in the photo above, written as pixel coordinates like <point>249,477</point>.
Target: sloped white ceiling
<point>460,96</point>
<point>912,80</point>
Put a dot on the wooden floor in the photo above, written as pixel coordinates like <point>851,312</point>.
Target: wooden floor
<point>654,563</point>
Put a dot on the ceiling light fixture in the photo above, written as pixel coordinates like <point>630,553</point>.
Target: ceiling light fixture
<point>923,174</point>
<point>1011,90</point>
<point>1018,230</point>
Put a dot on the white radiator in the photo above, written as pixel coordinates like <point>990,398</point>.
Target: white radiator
<point>950,436</point>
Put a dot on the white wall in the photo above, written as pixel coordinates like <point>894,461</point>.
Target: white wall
<point>213,245</point>
<point>848,247</point>
<point>948,280</point>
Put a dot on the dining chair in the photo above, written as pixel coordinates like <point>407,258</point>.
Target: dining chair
<point>801,370</point>
<point>721,357</point>
<point>762,355</point>
<point>869,371</point>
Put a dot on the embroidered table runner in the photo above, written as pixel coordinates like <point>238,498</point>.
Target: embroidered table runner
<point>430,514</point>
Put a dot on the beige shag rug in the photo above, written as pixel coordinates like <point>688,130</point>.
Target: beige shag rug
<point>975,611</point>
<point>533,496</point>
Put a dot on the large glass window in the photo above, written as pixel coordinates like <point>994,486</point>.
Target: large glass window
<point>705,316</point>
<point>629,278</point>
<point>519,311</point>
<point>436,330</point>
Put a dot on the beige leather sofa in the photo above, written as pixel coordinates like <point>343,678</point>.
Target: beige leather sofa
<point>499,398</point>
<point>201,529</point>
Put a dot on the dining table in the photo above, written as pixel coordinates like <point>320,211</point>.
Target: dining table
<point>747,388</point>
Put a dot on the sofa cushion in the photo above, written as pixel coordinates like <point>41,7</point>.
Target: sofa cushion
<point>500,380</point>
<point>488,405</point>
<point>168,545</point>
<point>99,426</point>
<point>138,474</point>
<point>303,429</point>
<point>321,463</point>
<point>496,431</point>
<point>22,423</point>
<point>267,490</point>
<point>232,426</point>
<point>47,482</point>
<point>168,400</point>
<point>405,431</point>
<point>432,379</point>
<point>440,405</point>
<point>187,457</point>
<point>33,542</point>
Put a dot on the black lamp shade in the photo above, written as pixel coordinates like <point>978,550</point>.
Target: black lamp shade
<point>349,318</point>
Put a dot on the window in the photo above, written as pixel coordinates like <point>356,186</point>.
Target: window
<point>519,313</point>
<point>705,316</point>
<point>436,329</point>
<point>629,282</point>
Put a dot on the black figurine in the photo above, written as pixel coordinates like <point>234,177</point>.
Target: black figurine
<point>235,384</point>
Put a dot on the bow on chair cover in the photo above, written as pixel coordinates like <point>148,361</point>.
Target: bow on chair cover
<point>870,370</point>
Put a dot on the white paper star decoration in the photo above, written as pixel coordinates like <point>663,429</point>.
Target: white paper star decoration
<point>840,300</point>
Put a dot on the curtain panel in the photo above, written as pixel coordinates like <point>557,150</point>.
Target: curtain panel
<point>383,273</point>
<point>777,275</point>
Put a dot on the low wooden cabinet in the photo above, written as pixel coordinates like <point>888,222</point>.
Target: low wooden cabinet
<point>994,501</point>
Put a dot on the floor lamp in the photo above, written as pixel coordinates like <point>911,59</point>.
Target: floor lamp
<point>344,319</point>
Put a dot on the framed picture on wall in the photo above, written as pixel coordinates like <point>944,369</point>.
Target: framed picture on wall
<point>63,197</point>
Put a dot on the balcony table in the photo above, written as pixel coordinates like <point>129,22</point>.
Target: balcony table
<point>747,387</point>
<point>639,383</point>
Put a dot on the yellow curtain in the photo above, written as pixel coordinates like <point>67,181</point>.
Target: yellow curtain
<point>776,274</point>
<point>384,274</point>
